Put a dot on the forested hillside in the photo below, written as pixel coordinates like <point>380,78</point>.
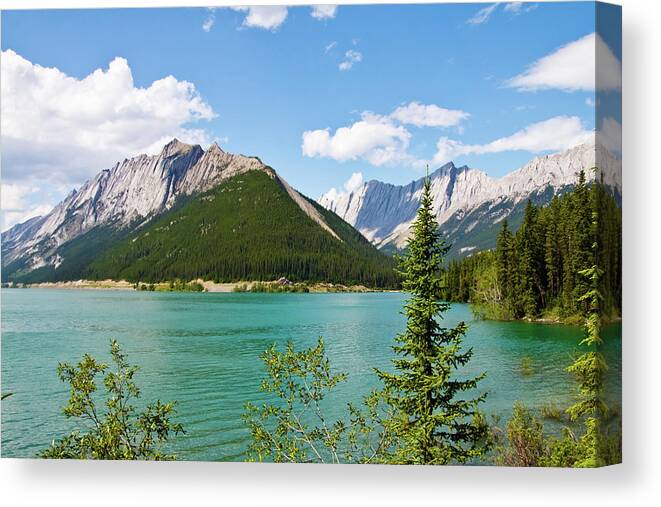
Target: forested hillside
<point>247,228</point>
<point>537,270</point>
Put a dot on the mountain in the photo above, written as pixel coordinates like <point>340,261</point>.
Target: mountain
<point>190,213</point>
<point>469,204</point>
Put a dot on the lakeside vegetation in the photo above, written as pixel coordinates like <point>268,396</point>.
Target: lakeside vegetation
<point>115,430</point>
<point>535,273</point>
<point>426,410</point>
<point>171,286</point>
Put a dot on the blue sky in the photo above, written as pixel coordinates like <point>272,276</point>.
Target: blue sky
<point>452,70</point>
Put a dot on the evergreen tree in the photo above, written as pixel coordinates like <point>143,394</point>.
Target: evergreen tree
<point>505,265</point>
<point>434,420</point>
<point>590,367</point>
<point>581,242</point>
<point>552,253</point>
<point>530,284</point>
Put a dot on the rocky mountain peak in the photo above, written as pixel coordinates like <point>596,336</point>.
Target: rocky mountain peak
<point>383,212</point>
<point>133,191</point>
<point>176,147</point>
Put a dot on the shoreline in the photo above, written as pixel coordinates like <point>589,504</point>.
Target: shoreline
<point>208,285</point>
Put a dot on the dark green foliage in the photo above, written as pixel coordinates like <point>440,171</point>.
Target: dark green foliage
<point>537,271</point>
<point>247,228</point>
<point>119,431</point>
<point>599,444</point>
<point>434,420</point>
<point>590,367</point>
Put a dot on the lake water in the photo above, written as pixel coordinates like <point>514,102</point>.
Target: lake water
<point>202,349</point>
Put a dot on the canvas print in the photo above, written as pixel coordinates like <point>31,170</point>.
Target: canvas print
<point>342,234</point>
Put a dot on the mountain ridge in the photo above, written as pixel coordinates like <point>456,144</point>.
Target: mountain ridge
<point>132,192</point>
<point>383,212</point>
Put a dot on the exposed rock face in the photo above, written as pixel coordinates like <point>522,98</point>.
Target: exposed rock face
<point>383,213</point>
<point>131,192</point>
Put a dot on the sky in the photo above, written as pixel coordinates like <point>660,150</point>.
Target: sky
<point>329,96</point>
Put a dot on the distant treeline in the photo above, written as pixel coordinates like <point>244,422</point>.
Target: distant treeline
<point>537,271</point>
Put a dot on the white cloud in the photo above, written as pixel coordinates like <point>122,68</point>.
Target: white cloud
<point>609,134</point>
<point>330,46</point>
<point>428,115</point>
<point>572,68</point>
<point>379,139</point>
<point>590,102</point>
<point>483,15</point>
<point>555,134</point>
<point>16,204</point>
<point>59,130</point>
<point>269,17</point>
<point>324,11</point>
<point>373,138</point>
<point>351,57</point>
<point>208,23</point>
<point>514,7</point>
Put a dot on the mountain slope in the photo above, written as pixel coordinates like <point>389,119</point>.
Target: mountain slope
<point>128,194</point>
<point>468,203</point>
<point>246,228</point>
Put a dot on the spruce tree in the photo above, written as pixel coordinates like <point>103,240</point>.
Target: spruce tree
<point>530,258</point>
<point>434,419</point>
<point>591,366</point>
<point>505,266</point>
<point>581,247</point>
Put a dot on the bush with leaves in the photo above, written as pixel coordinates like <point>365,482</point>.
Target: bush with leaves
<point>118,431</point>
<point>294,427</point>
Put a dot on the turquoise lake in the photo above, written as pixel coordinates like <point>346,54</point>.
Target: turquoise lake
<point>202,350</point>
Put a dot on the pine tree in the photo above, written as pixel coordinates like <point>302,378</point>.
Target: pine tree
<point>591,367</point>
<point>505,265</point>
<point>434,420</point>
<point>528,246</point>
<point>552,254</point>
<point>581,248</point>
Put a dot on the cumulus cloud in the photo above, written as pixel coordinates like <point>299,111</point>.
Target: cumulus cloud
<point>269,17</point>
<point>17,205</point>
<point>350,58</point>
<point>379,139</point>
<point>324,11</point>
<point>59,130</point>
<point>373,138</point>
<point>483,15</point>
<point>429,115</point>
<point>572,68</point>
<point>555,134</point>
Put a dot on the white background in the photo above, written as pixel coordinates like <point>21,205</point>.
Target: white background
<point>636,482</point>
